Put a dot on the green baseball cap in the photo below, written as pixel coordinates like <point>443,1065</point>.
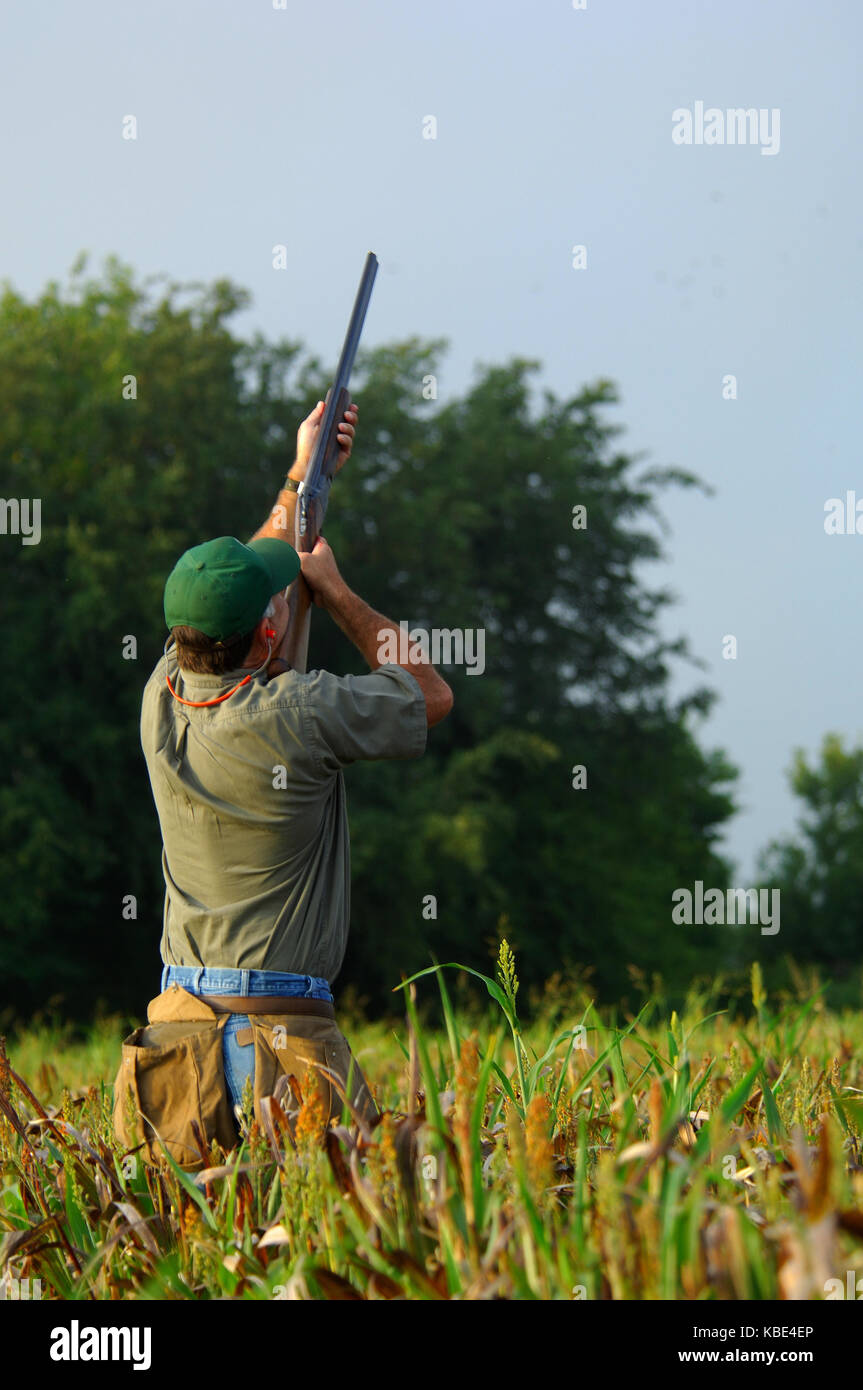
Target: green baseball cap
<point>223,586</point>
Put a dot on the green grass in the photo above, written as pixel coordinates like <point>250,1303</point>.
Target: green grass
<point>697,1156</point>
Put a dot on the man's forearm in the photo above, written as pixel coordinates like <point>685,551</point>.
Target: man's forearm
<point>358,621</point>
<point>279,525</point>
<point>366,628</point>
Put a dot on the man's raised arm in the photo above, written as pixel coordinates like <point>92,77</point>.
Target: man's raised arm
<point>279,525</point>
<point>367,629</point>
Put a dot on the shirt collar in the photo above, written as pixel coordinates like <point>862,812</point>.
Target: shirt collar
<point>205,680</point>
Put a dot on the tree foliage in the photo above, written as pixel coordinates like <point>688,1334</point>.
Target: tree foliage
<point>819,869</point>
<point>450,515</point>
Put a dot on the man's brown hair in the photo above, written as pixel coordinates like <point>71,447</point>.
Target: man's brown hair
<point>204,655</point>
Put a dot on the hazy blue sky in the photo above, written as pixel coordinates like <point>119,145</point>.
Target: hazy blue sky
<point>554,127</point>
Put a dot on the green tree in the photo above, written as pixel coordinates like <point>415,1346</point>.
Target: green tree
<point>455,515</point>
<point>128,473</point>
<point>819,870</point>
<point>472,514</point>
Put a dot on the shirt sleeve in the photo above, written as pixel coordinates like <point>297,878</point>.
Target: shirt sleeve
<point>351,718</point>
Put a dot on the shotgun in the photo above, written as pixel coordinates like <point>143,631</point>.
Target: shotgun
<point>313,492</point>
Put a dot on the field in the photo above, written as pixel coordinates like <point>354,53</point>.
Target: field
<point>583,1157</point>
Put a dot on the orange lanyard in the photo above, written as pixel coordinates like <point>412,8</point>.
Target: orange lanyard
<point>199,704</point>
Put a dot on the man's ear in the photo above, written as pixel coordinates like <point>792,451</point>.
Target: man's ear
<point>258,635</point>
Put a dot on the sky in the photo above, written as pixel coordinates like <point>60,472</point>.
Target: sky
<point>307,125</point>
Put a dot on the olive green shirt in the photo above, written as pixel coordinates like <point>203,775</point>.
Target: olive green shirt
<point>251,802</point>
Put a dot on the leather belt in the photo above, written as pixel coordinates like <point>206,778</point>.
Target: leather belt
<point>268,1004</point>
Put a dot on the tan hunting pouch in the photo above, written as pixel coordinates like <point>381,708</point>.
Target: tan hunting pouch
<point>172,1075</point>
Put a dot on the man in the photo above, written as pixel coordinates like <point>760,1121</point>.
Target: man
<point>245,758</point>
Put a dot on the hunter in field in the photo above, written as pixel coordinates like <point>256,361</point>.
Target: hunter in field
<point>245,758</point>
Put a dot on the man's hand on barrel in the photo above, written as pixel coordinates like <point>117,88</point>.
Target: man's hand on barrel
<point>308,433</point>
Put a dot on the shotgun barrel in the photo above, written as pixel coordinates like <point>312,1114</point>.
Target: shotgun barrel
<point>313,493</point>
<point>325,453</point>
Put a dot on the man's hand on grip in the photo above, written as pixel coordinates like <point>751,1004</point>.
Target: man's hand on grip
<point>321,572</point>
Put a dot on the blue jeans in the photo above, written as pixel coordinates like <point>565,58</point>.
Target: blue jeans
<point>198,979</point>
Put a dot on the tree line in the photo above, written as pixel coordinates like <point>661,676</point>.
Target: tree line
<point>567,795</point>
